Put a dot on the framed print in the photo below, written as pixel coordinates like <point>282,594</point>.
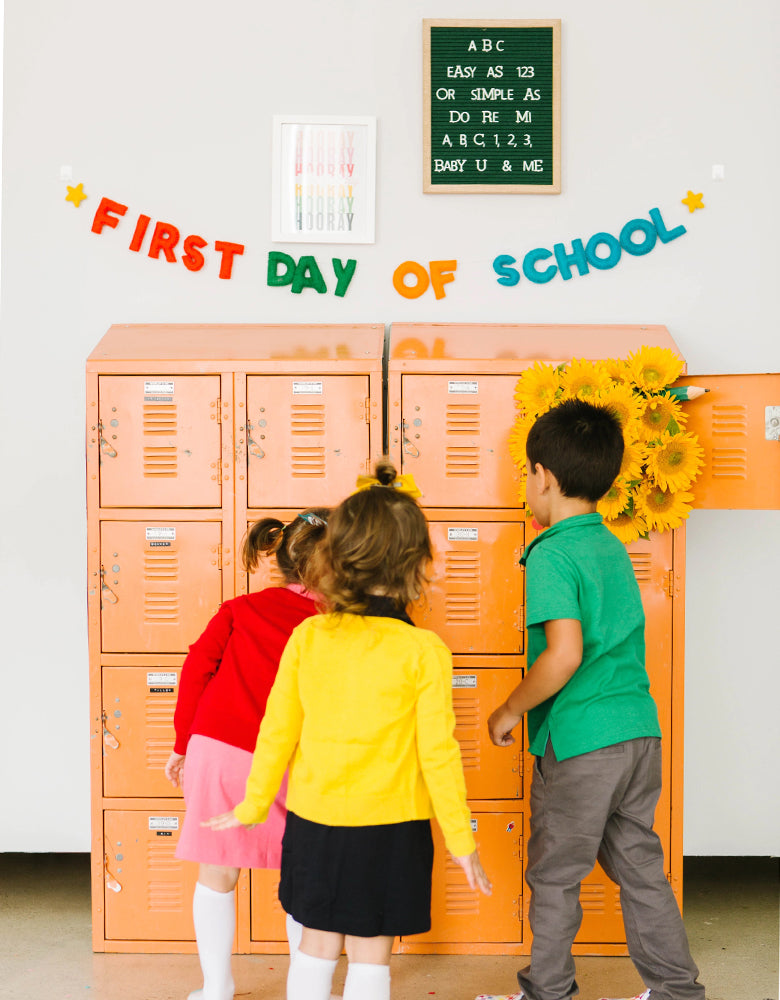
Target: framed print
<point>323,179</point>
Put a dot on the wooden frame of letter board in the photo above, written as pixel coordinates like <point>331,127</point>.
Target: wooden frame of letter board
<point>555,187</point>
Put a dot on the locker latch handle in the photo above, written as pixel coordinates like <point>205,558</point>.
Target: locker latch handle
<point>409,447</point>
<point>107,595</point>
<point>252,447</point>
<point>106,448</point>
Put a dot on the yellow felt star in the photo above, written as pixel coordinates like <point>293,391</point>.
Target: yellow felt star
<point>75,194</point>
<point>693,201</point>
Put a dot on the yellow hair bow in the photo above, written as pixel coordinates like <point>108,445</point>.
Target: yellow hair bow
<point>404,483</point>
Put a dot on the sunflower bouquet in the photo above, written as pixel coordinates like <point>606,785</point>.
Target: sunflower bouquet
<point>661,461</point>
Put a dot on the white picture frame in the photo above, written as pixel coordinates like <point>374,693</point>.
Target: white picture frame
<point>323,179</point>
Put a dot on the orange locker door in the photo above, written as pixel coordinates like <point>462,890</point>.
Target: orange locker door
<point>148,892</point>
<point>268,919</point>
<point>160,441</point>
<point>456,439</point>
<point>307,438</point>
<point>491,772</point>
<point>475,600</point>
<point>161,583</point>
<point>738,424</point>
<point>138,734</point>
<point>463,915</point>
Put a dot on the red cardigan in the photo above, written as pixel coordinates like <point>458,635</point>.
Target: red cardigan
<point>229,672</point>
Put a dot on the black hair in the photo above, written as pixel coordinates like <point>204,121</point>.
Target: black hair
<point>581,444</point>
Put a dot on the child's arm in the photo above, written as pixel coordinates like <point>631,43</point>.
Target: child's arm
<point>552,669</point>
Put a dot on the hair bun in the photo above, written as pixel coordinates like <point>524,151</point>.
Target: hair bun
<point>385,472</point>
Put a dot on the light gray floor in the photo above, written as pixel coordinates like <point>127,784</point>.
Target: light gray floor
<point>731,913</point>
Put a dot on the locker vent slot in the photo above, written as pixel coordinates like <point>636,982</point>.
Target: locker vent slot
<point>159,711</point>
<point>157,754</point>
<point>729,420</point>
<point>469,754</point>
<point>161,609</point>
<point>461,608</point>
<point>729,463</point>
<point>160,856</point>
<point>463,419</point>
<point>160,418</point>
<point>459,900</point>
<point>598,899</point>
<point>642,563</point>
<point>161,566</point>
<point>462,462</point>
<point>165,897</point>
<point>308,462</point>
<point>460,565</point>
<point>307,419</point>
<point>161,461</point>
<point>466,711</point>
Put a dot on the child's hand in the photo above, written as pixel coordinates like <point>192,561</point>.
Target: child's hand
<point>174,769</point>
<point>501,723</point>
<point>475,873</point>
<point>225,821</point>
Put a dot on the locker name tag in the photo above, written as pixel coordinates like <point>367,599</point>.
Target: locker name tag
<point>464,680</point>
<point>157,677</point>
<point>161,534</point>
<point>474,826</point>
<point>307,388</point>
<point>462,534</point>
<point>158,388</point>
<point>163,822</point>
<point>463,386</point>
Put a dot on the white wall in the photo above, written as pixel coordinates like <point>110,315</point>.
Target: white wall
<point>166,105</point>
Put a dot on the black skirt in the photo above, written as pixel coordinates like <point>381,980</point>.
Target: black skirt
<point>359,880</point>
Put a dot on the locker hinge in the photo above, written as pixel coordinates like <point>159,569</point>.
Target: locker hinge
<point>219,556</point>
<point>521,618</point>
<point>219,411</point>
<point>219,473</point>
<point>670,583</point>
<point>367,409</point>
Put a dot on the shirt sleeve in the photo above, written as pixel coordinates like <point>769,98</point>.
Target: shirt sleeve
<point>439,752</point>
<point>551,587</point>
<point>280,732</point>
<point>201,664</point>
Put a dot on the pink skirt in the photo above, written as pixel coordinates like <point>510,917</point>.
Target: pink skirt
<point>215,776</point>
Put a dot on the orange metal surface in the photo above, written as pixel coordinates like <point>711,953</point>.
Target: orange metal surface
<point>307,438</point>
<point>460,914</point>
<point>475,598</point>
<point>138,733</point>
<point>267,916</point>
<point>148,892</point>
<point>149,602</point>
<point>455,439</point>
<point>738,424</point>
<point>160,441</point>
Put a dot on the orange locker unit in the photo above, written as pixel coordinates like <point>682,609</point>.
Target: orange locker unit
<point>194,432</point>
<point>451,408</point>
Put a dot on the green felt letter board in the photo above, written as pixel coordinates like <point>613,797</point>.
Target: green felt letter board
<point>492,107</point>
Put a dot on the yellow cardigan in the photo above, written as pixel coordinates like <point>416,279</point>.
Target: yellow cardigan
<point>361,712</point>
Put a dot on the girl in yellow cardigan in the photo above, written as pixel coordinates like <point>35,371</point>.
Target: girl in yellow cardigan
<point>361,711</point>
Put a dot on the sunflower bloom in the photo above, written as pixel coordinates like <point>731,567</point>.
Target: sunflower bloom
<point>660,413</point>
<point>618,371</point>
<point>634,458</point>
<point>653,368</point>
<point>676,461</point>
<point>627,527</point>
<point>537,388</point>
<point>517,439</point>
<point>584,379</point>
<point>662,509</point>
<point>614,501</point>
<point>623,400</point>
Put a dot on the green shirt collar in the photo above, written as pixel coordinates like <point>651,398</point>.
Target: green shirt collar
<point>576,521</point>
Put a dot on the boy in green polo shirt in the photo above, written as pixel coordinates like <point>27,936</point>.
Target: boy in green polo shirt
<point>592,724</point>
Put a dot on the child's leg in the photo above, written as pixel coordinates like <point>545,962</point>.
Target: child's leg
<point>571,801</point>
<point>632,856</point>
<point>313,964</point>
<point>294,932</point>
<point>214,916</point>
<point>368,972</point>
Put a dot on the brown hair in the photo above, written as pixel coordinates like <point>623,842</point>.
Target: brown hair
<point>292,544</point>
<point>377,542</point>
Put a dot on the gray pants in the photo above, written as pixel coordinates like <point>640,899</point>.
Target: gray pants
<point>600,805</point>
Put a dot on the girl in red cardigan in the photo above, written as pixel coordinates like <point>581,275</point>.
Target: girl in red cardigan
<point>224,686</point>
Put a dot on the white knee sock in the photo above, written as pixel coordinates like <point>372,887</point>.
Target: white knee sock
<point>294,934</point>
<point>367,982</point>
<point>214,915</point>
<point>309,978</point>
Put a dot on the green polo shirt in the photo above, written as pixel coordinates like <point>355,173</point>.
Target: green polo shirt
<point>578,569</point>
